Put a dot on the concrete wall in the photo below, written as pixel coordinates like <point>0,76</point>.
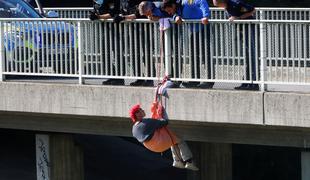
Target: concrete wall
<point>245,117</point>
<point>183,105</point>
<point>287,109</point>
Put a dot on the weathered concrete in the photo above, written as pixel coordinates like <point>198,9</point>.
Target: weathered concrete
<point>214,161</point>
<point>67,161</point>
<point>184,105</point>
<point>287,109</point>
<point>305,165</point>
<point>197,115</point>
<point>216,106</point>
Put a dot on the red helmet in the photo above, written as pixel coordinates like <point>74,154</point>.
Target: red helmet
<point>132,112</point>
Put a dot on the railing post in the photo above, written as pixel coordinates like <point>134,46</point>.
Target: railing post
<point>263,64</point>
<point>167,44</point>
<point>2,58</point>
<point>81,52</point>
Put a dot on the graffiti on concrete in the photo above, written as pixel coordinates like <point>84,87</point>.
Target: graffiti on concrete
<point>42,154</point>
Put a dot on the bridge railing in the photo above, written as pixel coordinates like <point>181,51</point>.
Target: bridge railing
<point>36,46</point>
<point>271,52</point>
<point>76,12</point>
<point>259,51</point>
<point>262,13</point>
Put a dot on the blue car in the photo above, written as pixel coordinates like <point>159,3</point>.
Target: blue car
<point>36,46</point>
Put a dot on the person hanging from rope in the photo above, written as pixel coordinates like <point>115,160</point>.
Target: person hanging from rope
<point>155,136</point>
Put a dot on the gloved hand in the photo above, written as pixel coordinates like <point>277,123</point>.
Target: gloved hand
<point>93,16</point>
<point>118,19</point>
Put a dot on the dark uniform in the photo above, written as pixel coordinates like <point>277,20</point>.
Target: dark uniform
<point>238,8</point>
<point>130,7</point>
<point>117,10</point>
<point>107,7</point>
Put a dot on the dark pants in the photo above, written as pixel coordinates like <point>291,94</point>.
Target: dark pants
<point>250,52</point>
<point>197,42</point>
<point>142,52</point>
<point>200,43</point>
<point>112,56</point>
<point>120,64</point>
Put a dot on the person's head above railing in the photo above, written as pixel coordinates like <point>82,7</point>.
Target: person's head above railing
<point>146,8</point>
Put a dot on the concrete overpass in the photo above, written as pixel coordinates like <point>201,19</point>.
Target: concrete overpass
<point>212,119</point>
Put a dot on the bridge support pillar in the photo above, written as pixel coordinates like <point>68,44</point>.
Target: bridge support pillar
<point>214,161</point>
<point>66,158</point>
<point>305,165</point>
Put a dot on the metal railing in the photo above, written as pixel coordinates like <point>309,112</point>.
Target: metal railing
<point>221,51</point>
<point>258,51</point>
<point>80,48</point>
<point>215,13</point>
<point>39,47</point>
<point>76,12</point>
<point>125,50</point>
<point>263,13</point>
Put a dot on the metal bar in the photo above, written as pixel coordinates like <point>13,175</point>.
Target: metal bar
<point>131,49</point>
<point>81,49</point>
<point>121,55</point>
<point>287,51</point>
<point>227,52</point>
<point>105,27</point>
<point>2,58</point>
<point>167,42</point>
<point>233,46</point>
<point>96,38</point>
<point>101,49</point>
<point>262,30</point>
<point>216,48</point>
<point>151,52</point>
<point>141,65</point>
<point>135,36</point>
<point>281,50</point>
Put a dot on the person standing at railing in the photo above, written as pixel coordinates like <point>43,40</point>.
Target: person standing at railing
<point>151,10</point>
<point>106,9</point>
<point>103,9</point>
<point>237,9</point>
<point>193,9</point>
<point>150,66</point>
<point>117,10</point>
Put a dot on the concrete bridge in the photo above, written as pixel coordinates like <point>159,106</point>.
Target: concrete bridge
<point>211,119</point>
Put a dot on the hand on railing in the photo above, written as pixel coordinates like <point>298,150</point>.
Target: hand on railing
<point>178,20</point>
<point>204,21</point>
<point>93,16</point>
<point>232,18</point>
<point>118,19</point>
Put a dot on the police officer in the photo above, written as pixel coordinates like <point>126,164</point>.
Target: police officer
<point>119,10</point>
<point>237,9</point>
<point>104,9</point>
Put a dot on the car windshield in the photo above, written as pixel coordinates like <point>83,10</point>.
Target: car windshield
<point>17,9</point>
